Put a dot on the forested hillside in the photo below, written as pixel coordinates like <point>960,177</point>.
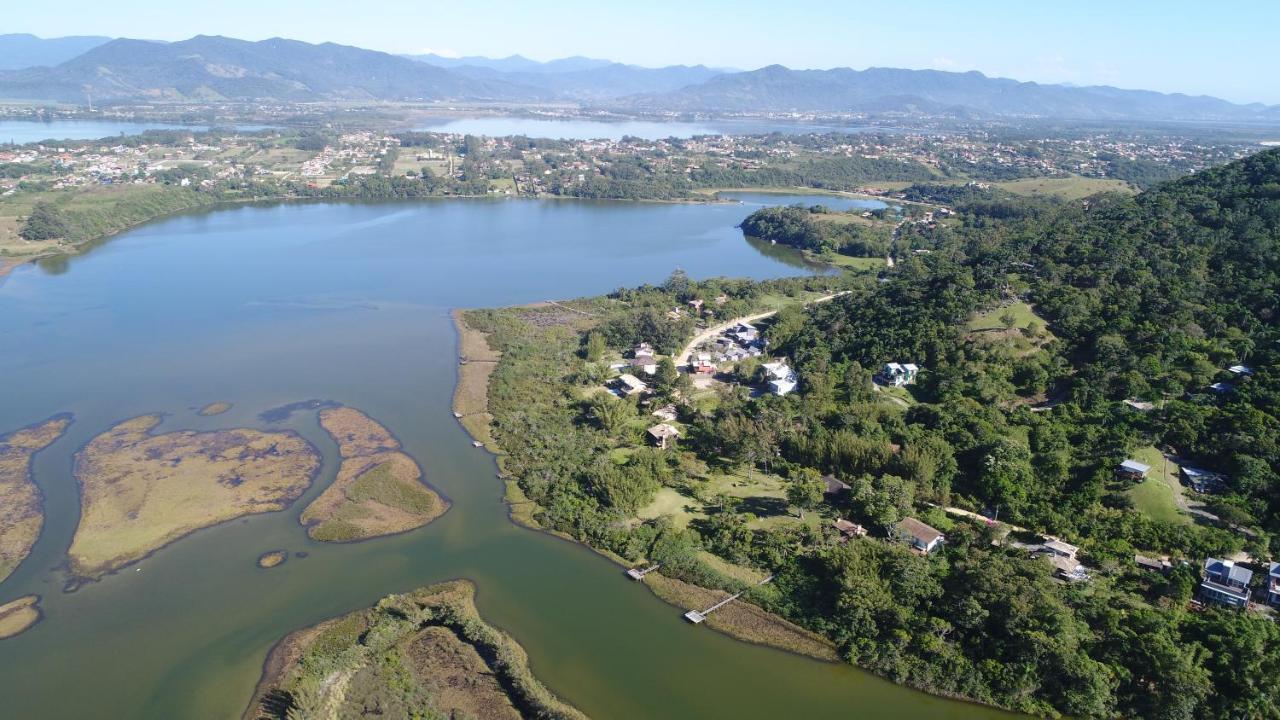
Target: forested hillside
<point>1033,323</point>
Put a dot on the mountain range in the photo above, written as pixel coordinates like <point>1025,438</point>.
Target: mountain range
<point>20,50</point>
<point>218,68</point>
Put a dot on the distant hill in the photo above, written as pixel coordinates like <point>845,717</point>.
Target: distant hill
<point>514,63</point>
<point>219,68</point>
<point>21,50</point>
<point>779,89</point>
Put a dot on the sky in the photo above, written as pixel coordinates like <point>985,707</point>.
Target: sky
<point>1226,49</point>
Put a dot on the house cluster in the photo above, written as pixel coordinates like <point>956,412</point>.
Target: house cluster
<point>898,374</point>
<point>736,343</point>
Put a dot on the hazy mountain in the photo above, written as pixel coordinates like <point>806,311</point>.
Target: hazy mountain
<point>577,78</point>
<point>217,68</point>
<point>22,50</point>
<point>610,81</point>
<point>514,63</point>
<point>776,88</point>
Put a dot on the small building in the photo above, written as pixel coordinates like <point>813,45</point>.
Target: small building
<point>1203,481</point>
<point>646,365</point>
<point>782,380</point>
<point>629,384</point>
<point>1066,568</point>
<point>663,435</point>
<point>1159,565</point>
<point>899,374</point>
<point>1133,470</point>
<point>667,413</point>
<point>782,387</point>
<point>1225,583</point>
<point>920,536</point>
<point>833,487</point>
<point>1054,546</point>
<point>1273,585</point>
<point>848,529</point>
<point>642,350</point>
<point>1240,370</point>
<point>1222,388</point>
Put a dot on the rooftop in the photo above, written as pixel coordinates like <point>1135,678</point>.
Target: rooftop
<point>919,530</point>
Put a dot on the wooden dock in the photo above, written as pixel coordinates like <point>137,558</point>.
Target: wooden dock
<point>638,574</point>
<point>695,616</point>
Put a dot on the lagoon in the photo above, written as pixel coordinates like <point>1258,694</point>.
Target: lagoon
<point>21,132</point>
<point>261,306</point>
<point>580,129</point>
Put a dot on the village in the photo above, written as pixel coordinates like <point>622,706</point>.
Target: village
<point>714,361</point>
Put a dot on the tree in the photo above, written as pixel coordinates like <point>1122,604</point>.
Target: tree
<point>805,489</point>
<point>668,376</point>
<point>594,347</point>
<point>611,413</point>
<point>45,223</point>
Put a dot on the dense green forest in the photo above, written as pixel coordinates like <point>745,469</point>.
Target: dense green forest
<point>1146,298</point>
<point>817,229</point>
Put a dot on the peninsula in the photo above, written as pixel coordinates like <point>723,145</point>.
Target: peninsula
<point>430,645</point>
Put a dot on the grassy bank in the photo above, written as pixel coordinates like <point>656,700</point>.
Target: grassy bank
<point>427,649</point>
<point>477,362</point>
<point>140,491</point>
<point>21,513</point>
<point>18,615</point>
<point>378,490</point>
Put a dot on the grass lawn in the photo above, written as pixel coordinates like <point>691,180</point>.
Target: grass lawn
<point>991,319</point>
<point>1068,188</point>
<point>1156,496</point>
<point>989,326</point>
<point>852,263</point>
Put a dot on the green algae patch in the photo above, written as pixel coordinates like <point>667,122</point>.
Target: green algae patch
<point>426,653</point>
<point>141,491</point>
<point>19,615</point>
<point>21,507</point>
<point>378,490</point>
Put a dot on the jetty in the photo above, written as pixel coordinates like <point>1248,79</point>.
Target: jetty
<point>695,616</point>
<point>638,574</point>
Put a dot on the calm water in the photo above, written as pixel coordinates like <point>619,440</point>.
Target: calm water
<point>754,200</point>
<point>263,306</point>
<point>27,131</point>
<point>649,130</point>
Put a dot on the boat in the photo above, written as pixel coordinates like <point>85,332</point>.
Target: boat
<point>476,443</point>
<point>457,414</point>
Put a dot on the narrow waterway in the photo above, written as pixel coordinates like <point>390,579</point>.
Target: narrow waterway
<point>264,306</point>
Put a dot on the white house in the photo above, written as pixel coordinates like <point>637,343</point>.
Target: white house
<point>899,374</point>
<point>920,536</point>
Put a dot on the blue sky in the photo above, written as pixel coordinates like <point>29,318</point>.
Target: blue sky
<point>1225,49</point>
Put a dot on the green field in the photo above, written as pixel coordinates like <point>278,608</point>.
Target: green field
<point>1068,188</point>
<point>1156,496</point>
